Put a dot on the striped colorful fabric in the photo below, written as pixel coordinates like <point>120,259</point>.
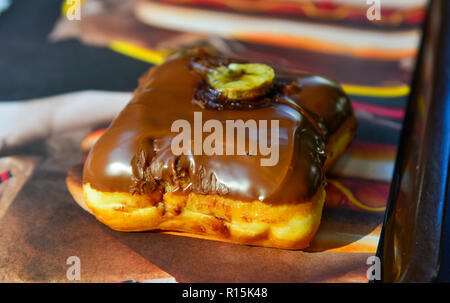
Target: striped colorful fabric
<point>395,13</point>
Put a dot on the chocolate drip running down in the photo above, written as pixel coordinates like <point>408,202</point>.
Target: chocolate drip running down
<point>134,155</point>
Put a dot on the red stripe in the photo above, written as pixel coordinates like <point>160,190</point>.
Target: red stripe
<point>5,176</point>
<point>387,112</point>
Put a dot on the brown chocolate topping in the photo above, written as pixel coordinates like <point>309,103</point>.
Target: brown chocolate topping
<point>134,155</point>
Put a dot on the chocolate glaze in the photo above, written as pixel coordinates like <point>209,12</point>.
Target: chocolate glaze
<point>134,155</point>
<point>322,98</point>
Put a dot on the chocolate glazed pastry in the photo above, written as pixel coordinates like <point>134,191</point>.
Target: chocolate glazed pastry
<point>133,180</point>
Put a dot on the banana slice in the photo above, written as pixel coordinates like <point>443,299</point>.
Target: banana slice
<point>241,81</point>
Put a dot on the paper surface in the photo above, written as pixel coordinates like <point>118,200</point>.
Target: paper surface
<point>44,226</point>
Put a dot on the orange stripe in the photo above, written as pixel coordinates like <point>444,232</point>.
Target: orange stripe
<point>353,200</point>
<point>326,47</point>
<point>372,151</point>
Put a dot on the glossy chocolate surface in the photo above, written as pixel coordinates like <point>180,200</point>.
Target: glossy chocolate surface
<point>135,155</point>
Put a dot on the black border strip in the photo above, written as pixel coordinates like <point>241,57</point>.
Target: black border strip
<point>417,257</point>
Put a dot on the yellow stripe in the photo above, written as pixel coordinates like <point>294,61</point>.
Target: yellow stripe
<point>137,52</point>
<point>352,198</point>
<point>157,57</point>
<point>393,91</point>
